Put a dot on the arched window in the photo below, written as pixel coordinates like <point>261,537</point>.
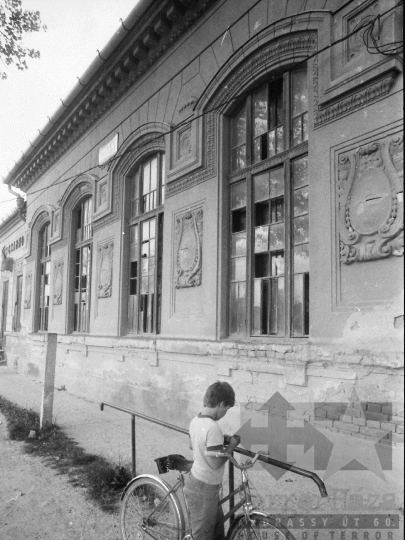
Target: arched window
<point>82,253</point>
<point>44,277</point>
<point>147,192</point>
<point>269,219</point>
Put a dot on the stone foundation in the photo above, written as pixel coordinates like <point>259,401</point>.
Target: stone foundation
<point>167,378</point>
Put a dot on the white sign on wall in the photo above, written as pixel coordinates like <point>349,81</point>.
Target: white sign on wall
<point>108,150</point>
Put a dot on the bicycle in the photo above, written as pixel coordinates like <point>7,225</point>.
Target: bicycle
<point>151,508</point>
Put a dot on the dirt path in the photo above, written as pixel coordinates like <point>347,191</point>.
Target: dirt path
<point>37,503</point>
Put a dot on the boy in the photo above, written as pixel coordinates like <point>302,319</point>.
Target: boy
<point>203,484</point>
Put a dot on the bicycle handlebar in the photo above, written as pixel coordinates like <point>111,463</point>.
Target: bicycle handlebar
<point>261,456</point>
<point>292,468</point>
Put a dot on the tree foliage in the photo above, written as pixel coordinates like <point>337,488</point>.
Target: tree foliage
<point>14,23</point>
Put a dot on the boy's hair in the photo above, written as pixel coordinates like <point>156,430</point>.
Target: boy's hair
<point>217,393</point>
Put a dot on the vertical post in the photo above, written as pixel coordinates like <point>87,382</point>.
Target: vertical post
<point>231,488</point>
<point>133,446</point>
<point>49,380</point>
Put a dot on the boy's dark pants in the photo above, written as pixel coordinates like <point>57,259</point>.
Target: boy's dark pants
<point>205,511</point>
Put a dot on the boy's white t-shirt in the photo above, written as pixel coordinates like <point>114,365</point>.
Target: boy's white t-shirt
<point>205,432</point>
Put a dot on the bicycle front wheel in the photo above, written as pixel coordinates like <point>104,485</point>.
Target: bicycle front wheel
<point>148,511</point>
<point>258,527</point>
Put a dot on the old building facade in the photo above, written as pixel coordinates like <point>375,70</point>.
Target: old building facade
<point>13,234</point>
<point>220,197</point>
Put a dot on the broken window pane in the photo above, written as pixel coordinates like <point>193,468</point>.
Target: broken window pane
<point>262,213</point>
<point>275,203</point>
<point>277,210</point>
<point>239,220</point>
<point>262,265</point>
<point>276,104</point>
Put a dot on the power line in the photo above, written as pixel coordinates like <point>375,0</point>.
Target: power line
<point>6,201</point>
<point>367,26</point>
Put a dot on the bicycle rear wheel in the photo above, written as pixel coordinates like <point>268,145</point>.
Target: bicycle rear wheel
<point>258,527</point>
<point>149,512</point>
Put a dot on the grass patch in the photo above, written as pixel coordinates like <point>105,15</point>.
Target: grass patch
<point>103,481</point>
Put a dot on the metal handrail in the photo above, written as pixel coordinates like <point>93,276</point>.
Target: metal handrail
<point>270,461</point>
<point>144,417</point>
<point>292,468</point>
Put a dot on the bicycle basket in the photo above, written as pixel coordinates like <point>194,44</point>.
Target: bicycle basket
<point>173,462</point>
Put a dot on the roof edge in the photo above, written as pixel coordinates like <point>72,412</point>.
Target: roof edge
<point>96,65</point>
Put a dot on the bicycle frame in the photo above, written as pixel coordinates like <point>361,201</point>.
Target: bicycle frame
<point>246,502</point>
<point>250,512</point>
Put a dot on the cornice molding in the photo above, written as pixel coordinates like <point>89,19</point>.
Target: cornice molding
<point>277,52</point>
<point>374,90</point>
<point>142,48</point>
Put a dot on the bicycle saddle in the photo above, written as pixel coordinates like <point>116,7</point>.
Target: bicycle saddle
<point>173,462</point>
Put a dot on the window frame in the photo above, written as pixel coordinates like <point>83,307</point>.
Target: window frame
<point>18,303</point>
<point>78,246</point>
<point>284,158</point>
<point>44,259</point>
<point>134,322</point>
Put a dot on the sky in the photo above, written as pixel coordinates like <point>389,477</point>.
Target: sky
<point>75,30</point>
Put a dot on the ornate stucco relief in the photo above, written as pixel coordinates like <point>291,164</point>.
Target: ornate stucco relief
<point>370,200</point>
<point>284,48</point>
<point>105,269</point>
<point>376,89</point>
<point>28,289</point>
<point>58,282</point>
<point>188,245</point>
<point>18,266</point>
<point>184,143</point>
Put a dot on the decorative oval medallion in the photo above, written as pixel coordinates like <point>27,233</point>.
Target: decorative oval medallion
<point>370,203</point>
<point>187,250</point>
<point>188,239</point>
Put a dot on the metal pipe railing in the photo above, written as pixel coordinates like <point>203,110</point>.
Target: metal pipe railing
<point>265,459</point>
<point>144,417</point>
<point>292,468</point>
